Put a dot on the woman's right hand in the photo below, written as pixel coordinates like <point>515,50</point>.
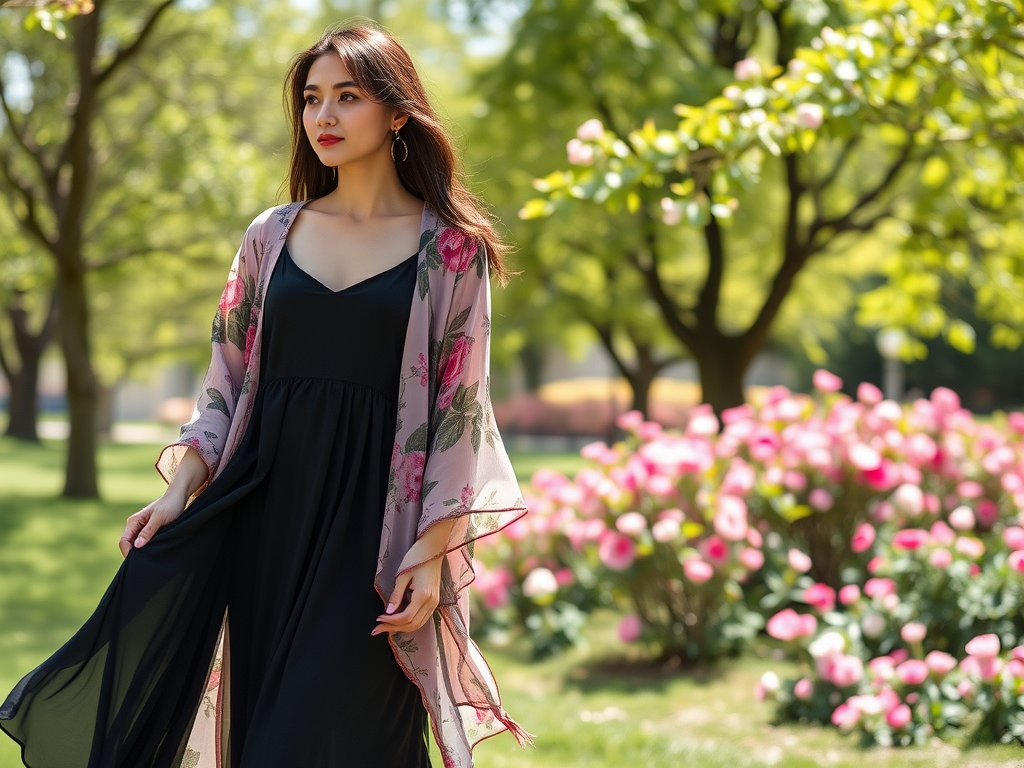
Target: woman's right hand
<point>141,526</point>
<point>190,475</point>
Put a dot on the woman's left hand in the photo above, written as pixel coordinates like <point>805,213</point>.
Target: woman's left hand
<point>424,585</point>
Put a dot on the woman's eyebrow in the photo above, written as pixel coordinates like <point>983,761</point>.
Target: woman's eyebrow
<point>336,86</point>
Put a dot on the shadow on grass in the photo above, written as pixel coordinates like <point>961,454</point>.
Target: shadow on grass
<point>625,674</point>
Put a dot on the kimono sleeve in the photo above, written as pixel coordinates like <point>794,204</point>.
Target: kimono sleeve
<point>468,475</point>
<point>233,329</point>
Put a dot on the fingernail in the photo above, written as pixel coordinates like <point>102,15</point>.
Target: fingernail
<point>139,541</point>
<point>391,608</point>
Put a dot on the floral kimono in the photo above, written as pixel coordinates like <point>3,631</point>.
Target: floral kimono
<point>448,461</point>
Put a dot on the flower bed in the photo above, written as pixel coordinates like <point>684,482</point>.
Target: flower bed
<point>882,543</point>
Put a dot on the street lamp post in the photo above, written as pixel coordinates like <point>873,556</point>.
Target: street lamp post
<point>890,346</point>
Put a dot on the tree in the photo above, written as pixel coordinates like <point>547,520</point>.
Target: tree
<point>908,90</point>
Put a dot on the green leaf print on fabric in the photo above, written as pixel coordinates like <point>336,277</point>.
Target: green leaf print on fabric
<point>217,401</point>
<point>417,440</point>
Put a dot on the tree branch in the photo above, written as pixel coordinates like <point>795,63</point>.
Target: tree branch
<point>21,137</point>
<point>648,268</point>
<point>845,221</point>
<point>125,53</point>
<point>29,220</point>
<point>707,303</point>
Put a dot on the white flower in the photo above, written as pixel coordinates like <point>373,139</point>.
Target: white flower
<point>770,682</point>
<point>540,583</point>
<point>827,644</point>
<point>872,625</point>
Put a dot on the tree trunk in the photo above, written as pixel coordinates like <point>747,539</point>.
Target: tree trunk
<point>721,375</point>
<point>23,408</point>
<point>80,472</point>
<point>531,357</point>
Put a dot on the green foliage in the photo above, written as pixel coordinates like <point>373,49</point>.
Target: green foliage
<point>905,114</point>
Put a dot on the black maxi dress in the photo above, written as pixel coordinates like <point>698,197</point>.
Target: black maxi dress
<point>286,540</point>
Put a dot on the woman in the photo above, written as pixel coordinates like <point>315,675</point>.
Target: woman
<point>309,607</point>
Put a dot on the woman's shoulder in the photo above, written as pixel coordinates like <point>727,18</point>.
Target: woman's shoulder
<point>277,217</point>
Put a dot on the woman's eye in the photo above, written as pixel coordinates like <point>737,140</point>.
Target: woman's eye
<point>347,97</point>
<point>311,99</point>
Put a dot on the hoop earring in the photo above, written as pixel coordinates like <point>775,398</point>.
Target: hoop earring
<point>404,150</point>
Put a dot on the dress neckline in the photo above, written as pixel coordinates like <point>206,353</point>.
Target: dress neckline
<point>402,263</point>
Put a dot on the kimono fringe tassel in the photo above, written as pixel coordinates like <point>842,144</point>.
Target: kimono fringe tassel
<point>524,737</point>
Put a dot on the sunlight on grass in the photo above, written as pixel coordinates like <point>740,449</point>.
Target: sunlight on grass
<point>600,707</point>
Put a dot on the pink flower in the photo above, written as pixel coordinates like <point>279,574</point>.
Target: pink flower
<point>985,669</point>
<point>863,538</point>
<point>665,530</point>
<point>913,632</point>
<point>940,663</point>
<point>798,561</point>
<point>1018,653</point>
<point>846,670</point>
<point>810,115</point>
<point>940,559</point>
<point>983,646</point>
<point>788,625</point>
<point>591,130</point>
<point>1016,561</point>
<point>698,571</point>
<point>820,499</point>
<point>629,421</point>
<point>912,672</point>
<point>453,367</point>
<point>1016,422</point>
<point>962,518</point>
<point>1014,537</point>
<point>910,538</point>
<point>898,717</point>
<point>616,551</point>
<point>879,587</point>
<point>731,518</point>
<point>747,69</point>
<point>970,547</point>
<point>409,474</point>
<point>824,381</point>
<point>965,689</point>
<point>868,394</point>
<point>752,559</point>
<point>849,594</point>
<point>942,534</point>
<point>845,717</point>
<point>987,513</point>
<point>803,689</point>
<point>715,550</point>
<point>630,628</point>
<point>864,457</point>
<point>457,249</point>
<point>946,400</point>
<point>631,524</point>
<point>579,153</point>
<point>969,489</point>
<point>820,596</point>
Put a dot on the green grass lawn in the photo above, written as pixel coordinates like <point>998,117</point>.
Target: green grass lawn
<point>598,707</point>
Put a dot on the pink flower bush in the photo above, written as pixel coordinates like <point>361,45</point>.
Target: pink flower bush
<point>882,519</point>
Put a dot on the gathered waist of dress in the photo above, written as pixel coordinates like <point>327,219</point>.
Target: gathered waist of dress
<point>300,383</point>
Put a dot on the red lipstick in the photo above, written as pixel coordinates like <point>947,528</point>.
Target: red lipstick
<point>327,139</point>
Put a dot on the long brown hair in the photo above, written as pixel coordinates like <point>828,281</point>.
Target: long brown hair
<point>386,74</point>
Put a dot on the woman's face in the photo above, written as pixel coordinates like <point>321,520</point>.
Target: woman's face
<point>342,124</point>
